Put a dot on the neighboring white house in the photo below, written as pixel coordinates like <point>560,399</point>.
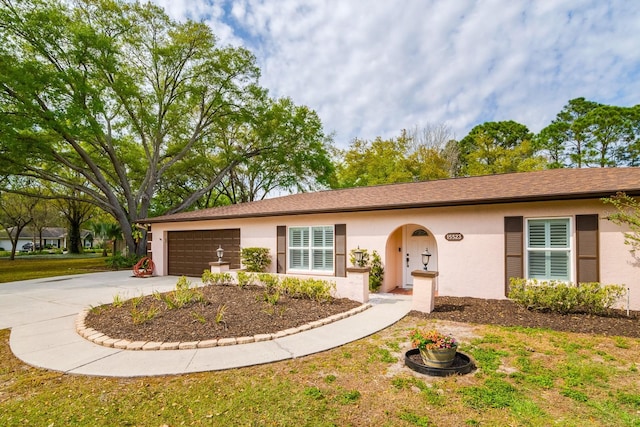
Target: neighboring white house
<point>52,237</point>
<point>480,231</point>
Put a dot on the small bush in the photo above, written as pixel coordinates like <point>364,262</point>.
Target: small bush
<point>118,262</point>
<point>117,301</point>
<point>376,275</point>
<point>183,295</point>
<point>560,297</point>
<point>269,281</point>
<point>271,298</point>
<point>209,278</point>
<point>255,260</point>
<point>313,289</point>
<point>245,279</point>
<point>140,317</point>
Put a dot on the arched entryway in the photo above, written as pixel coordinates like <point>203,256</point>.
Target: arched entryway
<point>404,249</point>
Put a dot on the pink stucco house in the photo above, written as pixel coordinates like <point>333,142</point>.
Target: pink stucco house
<point>480,231</point>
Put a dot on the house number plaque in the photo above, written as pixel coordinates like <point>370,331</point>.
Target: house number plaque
<point>454,237</point>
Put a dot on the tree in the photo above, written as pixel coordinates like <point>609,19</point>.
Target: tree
<point>627,213</point>
<point>589,134</point>
<point>417,155</point>
<point>498,147</point>
<point>382,161</point>
<point>432,156</point>
<point>76,212</point>
<point>16,212</point>
<point>44,214</point>
<point>280,123</point>
<point>126,98</point>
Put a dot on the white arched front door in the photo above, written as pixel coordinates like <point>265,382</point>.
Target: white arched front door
<point>416,240</point>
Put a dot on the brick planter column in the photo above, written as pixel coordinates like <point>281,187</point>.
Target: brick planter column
<point>424,290</point>
<point>219,267</point>
<point>358,283</point>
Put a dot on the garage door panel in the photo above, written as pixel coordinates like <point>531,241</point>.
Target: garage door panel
<point>190,252</point>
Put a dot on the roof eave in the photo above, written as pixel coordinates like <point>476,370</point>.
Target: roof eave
<point>467,202</point>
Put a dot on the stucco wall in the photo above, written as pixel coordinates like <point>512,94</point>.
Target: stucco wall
<point>473,266</point>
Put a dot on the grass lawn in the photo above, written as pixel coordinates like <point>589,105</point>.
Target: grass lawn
<point>527,377</point>
<point>35,266</point>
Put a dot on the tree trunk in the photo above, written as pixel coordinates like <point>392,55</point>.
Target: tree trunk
<point>75,240</point>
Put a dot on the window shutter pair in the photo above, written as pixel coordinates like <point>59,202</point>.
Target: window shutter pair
<point>340,236</point>
<point>586,248</point>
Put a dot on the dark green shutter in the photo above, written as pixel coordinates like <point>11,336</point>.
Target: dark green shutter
<point>281,249</point>
<point>587,259</point>
<point>513,249</point>
<point>341,250</point>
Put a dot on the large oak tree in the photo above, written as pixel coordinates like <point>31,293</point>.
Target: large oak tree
<point>118,94</point>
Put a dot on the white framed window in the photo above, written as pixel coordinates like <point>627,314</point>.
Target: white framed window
<point>311,248</point>
<point>549,249</point>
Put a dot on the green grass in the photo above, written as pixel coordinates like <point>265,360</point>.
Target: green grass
<point>36,267</point>
<point>525,377</point>
<point>547,384</point>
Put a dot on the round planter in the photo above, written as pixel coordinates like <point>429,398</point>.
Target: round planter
<point>438,357</point>
<point>462,364</point>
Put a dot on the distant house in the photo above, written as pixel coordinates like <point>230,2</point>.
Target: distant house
<point>52,237</point>
<point>547,225</point>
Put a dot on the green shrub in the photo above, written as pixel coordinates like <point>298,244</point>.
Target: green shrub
<point>140,317</point>
<point>255,260</point>
<point>118,262</point>
<point>209,278</point>
<point>376,275</point>
<point>245,279</point>
<point>313,289</point>
<point>561,297</point>
<point>291,286</point>
<point>269,281</point>
<point>183,294</point>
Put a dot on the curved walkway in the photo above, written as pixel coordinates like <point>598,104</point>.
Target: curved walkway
<point>42,314</point>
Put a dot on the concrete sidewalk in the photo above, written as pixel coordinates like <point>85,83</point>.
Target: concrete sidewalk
<point>42,315</point>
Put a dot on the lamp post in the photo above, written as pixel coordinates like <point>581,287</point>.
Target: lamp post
<point>220,252</point>
<point>425,258</point>
<point>358,253</point>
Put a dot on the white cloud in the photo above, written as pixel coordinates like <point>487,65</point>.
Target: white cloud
<point>373,67</point>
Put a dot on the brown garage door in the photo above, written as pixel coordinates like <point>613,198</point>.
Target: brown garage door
<point>190,252</point>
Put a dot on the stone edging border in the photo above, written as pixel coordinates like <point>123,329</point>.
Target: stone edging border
<point>99,338</point>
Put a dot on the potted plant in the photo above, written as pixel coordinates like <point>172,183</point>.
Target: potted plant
<point>436,349</point>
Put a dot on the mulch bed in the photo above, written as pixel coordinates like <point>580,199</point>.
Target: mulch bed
<point>507,313</point>
<point>245,314</point>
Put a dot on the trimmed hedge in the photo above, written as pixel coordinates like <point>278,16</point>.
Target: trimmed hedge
<point>561,297</point>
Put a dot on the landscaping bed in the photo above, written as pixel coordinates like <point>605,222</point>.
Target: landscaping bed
<point>508,313</point>
<point>227,312</point>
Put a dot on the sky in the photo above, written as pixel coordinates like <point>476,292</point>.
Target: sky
<point>371,68</point>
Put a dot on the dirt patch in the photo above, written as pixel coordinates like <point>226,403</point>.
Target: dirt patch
<point>227,312</point>
<point>508,313</point>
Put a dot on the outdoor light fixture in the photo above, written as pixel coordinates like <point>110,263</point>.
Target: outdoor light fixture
<point>358,253</point>
<point>425,258</point>
<point>220,252</point>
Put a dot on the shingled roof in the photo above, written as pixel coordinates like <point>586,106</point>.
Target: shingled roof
<point>555,184</point>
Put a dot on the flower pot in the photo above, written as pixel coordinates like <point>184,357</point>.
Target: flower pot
<point>438,357</point>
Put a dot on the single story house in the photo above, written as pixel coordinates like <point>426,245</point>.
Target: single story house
<point>547,225</point>
<point>52,237</point>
